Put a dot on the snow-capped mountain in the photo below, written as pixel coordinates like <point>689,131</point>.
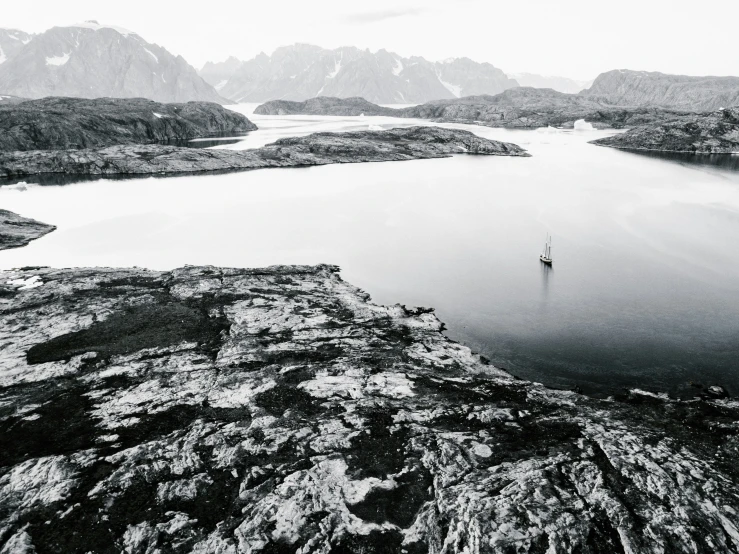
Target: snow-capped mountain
<point>560,84</point>
<point>89,60</point>
<point>302,71</point>
<point>11,42</point>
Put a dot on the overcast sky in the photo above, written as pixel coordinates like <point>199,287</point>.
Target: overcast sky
<point>572,38</point>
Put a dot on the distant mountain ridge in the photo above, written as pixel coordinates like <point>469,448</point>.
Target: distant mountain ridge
<point>303,71</point>
<point>89,60</point>
<point>520,107</point>
<point>625,87</point>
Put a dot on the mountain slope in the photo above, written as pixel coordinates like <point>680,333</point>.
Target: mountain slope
<point>11,42</point>
<point>642,88</point>
<point>91,61</point>
<point>302,71</point>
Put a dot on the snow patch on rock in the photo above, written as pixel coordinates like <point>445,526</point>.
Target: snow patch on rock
<point>95,26</point>
<point>25,284</point>
<point>58,60</point>
<point>456,90</point>
<point>152,54</point>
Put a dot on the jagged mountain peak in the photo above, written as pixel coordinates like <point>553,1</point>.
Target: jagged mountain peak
<point>95,26</point>
<point>302,71</point>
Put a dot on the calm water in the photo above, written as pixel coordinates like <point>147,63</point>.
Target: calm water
<point>645,285</point>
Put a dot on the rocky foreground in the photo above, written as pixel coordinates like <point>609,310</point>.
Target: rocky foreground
<point>317,149</point>
<point>707,133</point>
<point>74,123</point>
<point>17,231</point>
<point>279,410</point>
<point>516,108</point>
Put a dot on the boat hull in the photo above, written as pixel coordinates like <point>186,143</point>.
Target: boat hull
<point>544,260</point>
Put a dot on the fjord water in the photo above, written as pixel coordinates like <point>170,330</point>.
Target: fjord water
<point>644,290</point>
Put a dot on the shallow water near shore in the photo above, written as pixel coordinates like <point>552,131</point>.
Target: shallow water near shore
<point>644,290</point>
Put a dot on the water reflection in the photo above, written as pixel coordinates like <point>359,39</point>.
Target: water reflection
<point>728,162</point>
<point>209,142</point>
<point>546,273</point>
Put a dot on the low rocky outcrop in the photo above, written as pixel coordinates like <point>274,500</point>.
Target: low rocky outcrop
<point>516,108</point>
<point>17,231</point>
<point>74,123</point>
<point>324,105</point>
<point>708,133</point>
<point>411,143</point>
<point>224,411</point>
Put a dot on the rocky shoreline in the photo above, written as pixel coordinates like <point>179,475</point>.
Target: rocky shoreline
<point>279,410</point>
<point>707,133</point>
<point>17,231</point>
<point>317,149</point>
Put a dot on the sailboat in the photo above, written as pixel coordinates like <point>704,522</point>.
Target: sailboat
<point>546,256</point>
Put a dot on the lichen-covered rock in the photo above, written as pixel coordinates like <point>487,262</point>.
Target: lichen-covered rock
<point>708,133</point>
<point>400,144</point>
<point>279,410</point>
<point>17,231</point>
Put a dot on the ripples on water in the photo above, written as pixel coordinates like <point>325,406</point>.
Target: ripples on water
<point>644,290</point>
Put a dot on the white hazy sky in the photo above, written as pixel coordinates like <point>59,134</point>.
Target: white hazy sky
<point>572,38</point>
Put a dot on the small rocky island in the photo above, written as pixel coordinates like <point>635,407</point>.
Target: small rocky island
<point>707,133</point>
<point>17,231</point>
<point>317,149</point>
<point>516,108</point>
<point>275,410</point>
<point>325,105</point>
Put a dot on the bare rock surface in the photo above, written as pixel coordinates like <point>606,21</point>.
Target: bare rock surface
<point>707,133</point>
<point>316,149</point>
<point>58,123</point>
<point>224,411</point>
<point>17,231</point>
